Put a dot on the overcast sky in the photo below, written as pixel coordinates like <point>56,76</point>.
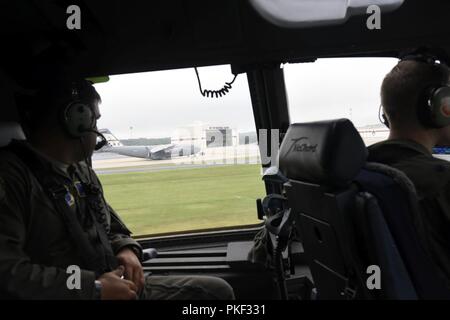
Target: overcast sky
<point>155,104</point>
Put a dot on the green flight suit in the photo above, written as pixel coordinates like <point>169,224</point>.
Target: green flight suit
<point>431,177</point>
<point>36,247</point>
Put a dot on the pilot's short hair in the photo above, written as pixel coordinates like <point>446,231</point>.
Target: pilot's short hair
<point>42,107</point>
<point>404,85</point>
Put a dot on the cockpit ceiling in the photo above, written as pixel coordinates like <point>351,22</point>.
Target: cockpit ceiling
<point>119,36</point>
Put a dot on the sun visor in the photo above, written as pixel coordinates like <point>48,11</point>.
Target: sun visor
<point>315,13</point>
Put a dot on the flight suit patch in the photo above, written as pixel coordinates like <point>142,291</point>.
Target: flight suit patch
<point>70,200</point>
<point>80,189</point>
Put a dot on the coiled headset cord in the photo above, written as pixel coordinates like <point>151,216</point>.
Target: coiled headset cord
<point>214,93</point>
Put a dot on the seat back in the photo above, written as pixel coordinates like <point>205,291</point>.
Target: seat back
<point>346,224</point>
<point>9,118</point>
<point>10,130</point>
<point>397,199</point>
<point>319,191</point>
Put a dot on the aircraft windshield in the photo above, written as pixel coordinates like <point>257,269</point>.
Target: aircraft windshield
<point>339,88</point>
<point>175,160</point>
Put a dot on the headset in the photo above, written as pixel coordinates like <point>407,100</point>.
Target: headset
<point>78,118</point>
<point>382,117</point>
<point>433,109</point>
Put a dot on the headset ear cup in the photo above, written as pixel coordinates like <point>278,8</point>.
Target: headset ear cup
<point>78,119</point>
<point>440,107</point>
<point>383,118</point>
<point>424,108</point>
<point>386,121</point>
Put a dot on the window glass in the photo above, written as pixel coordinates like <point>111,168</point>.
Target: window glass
<point>339,88</point>
<point>178,161</point>
<point>342,88</point>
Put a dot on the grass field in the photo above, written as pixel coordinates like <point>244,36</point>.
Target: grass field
<point>185,199</point>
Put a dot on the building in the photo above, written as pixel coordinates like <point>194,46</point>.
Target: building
<point>205,136</point>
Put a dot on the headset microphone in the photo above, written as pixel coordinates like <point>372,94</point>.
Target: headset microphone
<point>100,144</point>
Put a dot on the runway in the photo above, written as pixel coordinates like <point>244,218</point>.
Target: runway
<point>110,163</point>
<point>155,168</point>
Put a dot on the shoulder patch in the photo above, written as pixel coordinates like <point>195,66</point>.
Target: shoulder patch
<point>70,200</point>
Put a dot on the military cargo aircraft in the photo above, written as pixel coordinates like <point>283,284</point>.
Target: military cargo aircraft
<point>322,235</point>
<point>158,152</point>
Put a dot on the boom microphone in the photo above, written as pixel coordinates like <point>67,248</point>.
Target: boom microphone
<point>100,144</point>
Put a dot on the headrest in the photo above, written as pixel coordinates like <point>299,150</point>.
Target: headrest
<point>9,117</point>
<point>324,152</point>
<point>10,130</point>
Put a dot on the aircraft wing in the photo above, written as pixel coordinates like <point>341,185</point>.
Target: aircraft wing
<point>164,147</point>
<point>131,151</point>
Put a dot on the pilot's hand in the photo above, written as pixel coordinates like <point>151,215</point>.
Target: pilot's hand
<point>133,267</point>
<point>116,288</point>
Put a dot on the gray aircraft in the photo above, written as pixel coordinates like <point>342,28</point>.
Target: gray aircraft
<point>157,152</point>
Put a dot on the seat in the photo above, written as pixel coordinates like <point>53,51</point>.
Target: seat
<point>9,117</point>
<point>354,217</point>
<point>10,130</point>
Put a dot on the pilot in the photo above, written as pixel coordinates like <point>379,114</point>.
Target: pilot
<point>59,238</point>
<point>415,97</point>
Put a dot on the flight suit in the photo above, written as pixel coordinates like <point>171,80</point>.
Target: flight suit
<point>40,237</point>
<point>431,177</point>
